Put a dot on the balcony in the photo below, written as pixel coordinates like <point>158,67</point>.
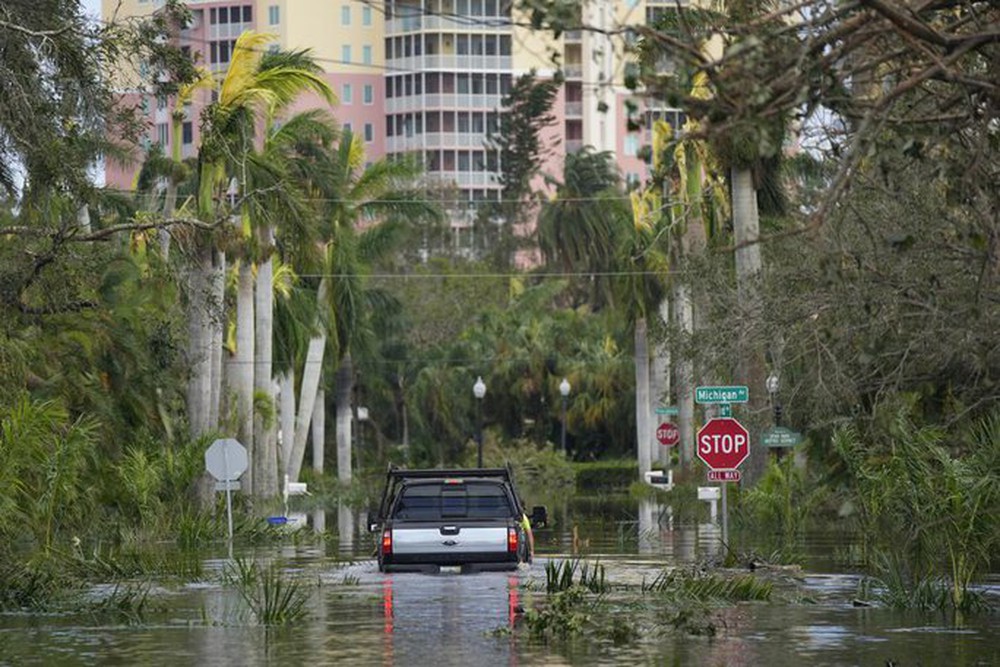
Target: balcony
<point>573,145</point>
<point>573,70</point>
<point>574,109</point>
<point>474,24</point>
<point>460,63</point>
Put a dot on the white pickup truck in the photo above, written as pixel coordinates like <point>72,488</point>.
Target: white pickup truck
<point>471,518</point>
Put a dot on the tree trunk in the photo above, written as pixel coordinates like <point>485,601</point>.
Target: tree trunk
<point>746,230</point>
<point>345,388</point>
<point>319,432</point>
<point>684,314</point>
<point>307,402</point>
<point>642,420</point>
<point>217,327</point>
<point>241,373</point>
<point>199,313</point>
<point>287,418</point>
<point>660,382</point>
<point>265,435</point>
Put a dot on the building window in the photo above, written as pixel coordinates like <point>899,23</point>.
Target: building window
<point>369,132</point>
<point>345,53</point>
<point>162,133</point>
<point>366,54</point>
<point>187,132</point>
<point>366,15</point>
<point>347,94</point>
<point>273,15</point>
<point>369,94</point>
<point>345,15</point>
<point>631,144</point>
<point>347,128</point>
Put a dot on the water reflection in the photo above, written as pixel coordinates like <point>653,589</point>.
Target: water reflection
<point>346,519</point>
<point>469,615</point>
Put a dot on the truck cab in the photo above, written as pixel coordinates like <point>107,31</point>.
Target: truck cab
<point>470,518</point>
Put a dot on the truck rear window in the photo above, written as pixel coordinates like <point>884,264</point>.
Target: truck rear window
<point>472,500</point>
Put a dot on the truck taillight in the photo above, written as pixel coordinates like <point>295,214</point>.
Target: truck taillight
<point>387,542</point>
<point>511,540</point>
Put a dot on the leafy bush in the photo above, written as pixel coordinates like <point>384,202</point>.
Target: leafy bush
<point>605,475</point>
<point>922,510</point>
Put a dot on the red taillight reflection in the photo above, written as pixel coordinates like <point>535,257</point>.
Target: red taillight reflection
<point>511,540</point>
<point>387,542</point>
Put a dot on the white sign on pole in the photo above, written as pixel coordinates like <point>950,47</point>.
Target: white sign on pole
<point>226,459</point>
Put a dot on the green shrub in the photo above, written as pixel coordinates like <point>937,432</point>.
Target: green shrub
<point>615,475</point>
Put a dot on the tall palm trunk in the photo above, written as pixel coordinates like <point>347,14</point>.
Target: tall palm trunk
<point>217,329</point>
<point>746,230</point>
<point>311,375</point>
<point>319,432</point>
<point>643,423</point>
<point>345,388</point>
<point>199,389</point>
<point>287,393</point>
<point>241,370</point>
<point>660,385</point>
<point>265,434</point>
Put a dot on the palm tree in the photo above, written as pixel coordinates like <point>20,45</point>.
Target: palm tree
<point>252,90</point>
<point>577,230</point>
<point>378,195</point>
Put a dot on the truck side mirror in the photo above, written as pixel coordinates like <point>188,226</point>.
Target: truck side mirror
<point>372,521</point>
<point>539,516</point>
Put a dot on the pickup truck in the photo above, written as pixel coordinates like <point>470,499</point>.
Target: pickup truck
<point>471,518</point>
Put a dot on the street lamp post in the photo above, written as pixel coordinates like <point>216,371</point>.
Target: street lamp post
<point>772,384</point>
<point>564,392</point>
<point>479,391</point>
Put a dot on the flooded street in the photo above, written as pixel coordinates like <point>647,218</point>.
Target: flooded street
<point>357,615</point>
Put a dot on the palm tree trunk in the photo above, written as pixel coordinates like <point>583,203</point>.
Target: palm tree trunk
<point>319,432</point>
<point>660,380</point>
<point>241,371</point>
<point>746,230</point>
<point>345,387</point>
<point>199,389</point>
<point>217,328</point>
<point>287,417</point>
<point>684,316</point>
<point>307,401</point>
<point>265,435</point>
<point>642,419</point>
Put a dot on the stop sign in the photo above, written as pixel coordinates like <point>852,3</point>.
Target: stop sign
<point>723,443</point>
<point>668,434</point>
<point>226,459</point>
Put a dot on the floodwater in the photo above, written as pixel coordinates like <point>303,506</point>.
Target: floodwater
<point>357,615</point>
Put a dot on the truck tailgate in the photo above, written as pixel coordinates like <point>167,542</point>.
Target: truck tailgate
<point>449,540</point>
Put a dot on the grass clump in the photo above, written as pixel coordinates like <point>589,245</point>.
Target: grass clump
<point>273,597</point>
<point>563,575</point>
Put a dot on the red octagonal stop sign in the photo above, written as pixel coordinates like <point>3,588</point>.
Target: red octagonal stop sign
<point>723,443</point>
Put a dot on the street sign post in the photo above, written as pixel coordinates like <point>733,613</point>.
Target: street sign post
<point>723,444</point>
<point>225,460</point>
<point>668,434</point>
<point>722,394</point>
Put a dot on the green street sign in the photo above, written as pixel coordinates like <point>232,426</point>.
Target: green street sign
<point>779,436</point>
<point>734,394</point>
<point>725,410</point>
<point>668,410</point>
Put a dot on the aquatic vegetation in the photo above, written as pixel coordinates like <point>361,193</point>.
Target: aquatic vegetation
<point>683,585</point>
<point>926,514</point>
<point>561,575</point>
<point>783,500</point>
<point>567,614</point>
<point>128,602</point>
<point>26,586</point>
<point>273,597</point>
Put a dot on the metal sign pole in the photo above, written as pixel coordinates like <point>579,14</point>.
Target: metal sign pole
<point>725,518</point>
<point>229,498</point>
